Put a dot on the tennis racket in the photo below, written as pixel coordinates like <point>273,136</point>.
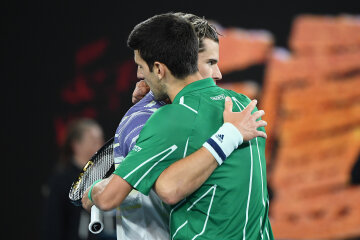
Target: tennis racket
<point>100,166</point>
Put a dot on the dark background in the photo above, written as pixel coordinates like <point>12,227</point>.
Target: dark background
<point>40,42</point>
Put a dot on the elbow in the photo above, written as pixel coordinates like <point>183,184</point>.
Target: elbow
<point>104,204</point>
<point>170,198</point>
<point>168,194</point>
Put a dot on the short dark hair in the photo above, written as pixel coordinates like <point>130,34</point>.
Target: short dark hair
<point>202,27</point>
<point>168,39</point>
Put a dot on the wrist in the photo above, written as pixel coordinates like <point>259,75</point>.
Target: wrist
<point>91,188</point>
<point>224,142</point>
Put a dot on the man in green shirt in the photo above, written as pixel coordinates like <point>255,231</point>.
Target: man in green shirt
<point>233,202</point>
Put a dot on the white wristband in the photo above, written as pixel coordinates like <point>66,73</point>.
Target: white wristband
<point>224,142</point>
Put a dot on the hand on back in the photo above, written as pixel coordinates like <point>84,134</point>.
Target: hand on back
<point>245,121</point>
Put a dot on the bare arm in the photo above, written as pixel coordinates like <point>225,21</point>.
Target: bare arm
<point>185,176</point>
<point>107,194</point>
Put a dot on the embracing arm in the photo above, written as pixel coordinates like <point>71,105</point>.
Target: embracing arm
<point>185,176</point>
<point>107,194</point>
<point>176,182</point>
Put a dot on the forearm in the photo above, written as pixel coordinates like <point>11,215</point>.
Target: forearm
<point>107,194</point>
<point>185,176</point>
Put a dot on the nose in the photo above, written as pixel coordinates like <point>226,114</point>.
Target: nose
<point>139,75</point>
<point>216,73</point>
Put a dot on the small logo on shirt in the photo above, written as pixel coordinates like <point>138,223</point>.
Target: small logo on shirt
<point>137,148</point>
<point>218,97</point>
<point>220,137</point>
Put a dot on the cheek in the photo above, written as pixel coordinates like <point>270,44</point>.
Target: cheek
<point>205,70</point>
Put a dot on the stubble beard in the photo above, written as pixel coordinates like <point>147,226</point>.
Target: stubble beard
<point>159,91</point>
<point>159,96</point>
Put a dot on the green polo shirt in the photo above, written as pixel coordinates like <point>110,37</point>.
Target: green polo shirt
<point>233,202</point>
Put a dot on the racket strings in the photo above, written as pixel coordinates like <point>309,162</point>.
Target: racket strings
<point>100,166</point>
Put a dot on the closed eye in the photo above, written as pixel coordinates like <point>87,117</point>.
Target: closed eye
<point>212,61</point>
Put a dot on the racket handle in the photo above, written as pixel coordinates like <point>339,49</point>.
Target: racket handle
<point>96,220</point>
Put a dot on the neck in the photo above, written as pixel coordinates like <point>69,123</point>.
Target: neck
<point>176,85</point>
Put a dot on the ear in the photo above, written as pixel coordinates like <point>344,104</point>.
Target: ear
<point>160,69</point>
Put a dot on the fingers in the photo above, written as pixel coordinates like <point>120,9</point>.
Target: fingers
<point>142,84</point>
<point>135,94</point>
<point>141,89</point>
<point>261,123</point>
<point>262,134</point>
<point>134,100</point>
<point>251,106</point>
<point>258,114</point>
<point>228,105</point>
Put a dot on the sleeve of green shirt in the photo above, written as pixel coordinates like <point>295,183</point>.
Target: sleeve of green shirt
<point>161,142</point>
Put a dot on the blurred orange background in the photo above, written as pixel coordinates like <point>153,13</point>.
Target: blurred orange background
<point>311,97</point>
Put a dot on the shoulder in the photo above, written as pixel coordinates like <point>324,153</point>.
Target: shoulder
<point>240,100</point>
<point>131,125</point>
<point>128,130</point>
<point>146,105</point>
<point>135,118</point>
<point>169,118</point>
<point>186,108</point>
<point>239,96</point>
<point>138,114</point>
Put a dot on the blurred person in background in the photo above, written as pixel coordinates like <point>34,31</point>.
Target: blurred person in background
<point>63,220</point>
